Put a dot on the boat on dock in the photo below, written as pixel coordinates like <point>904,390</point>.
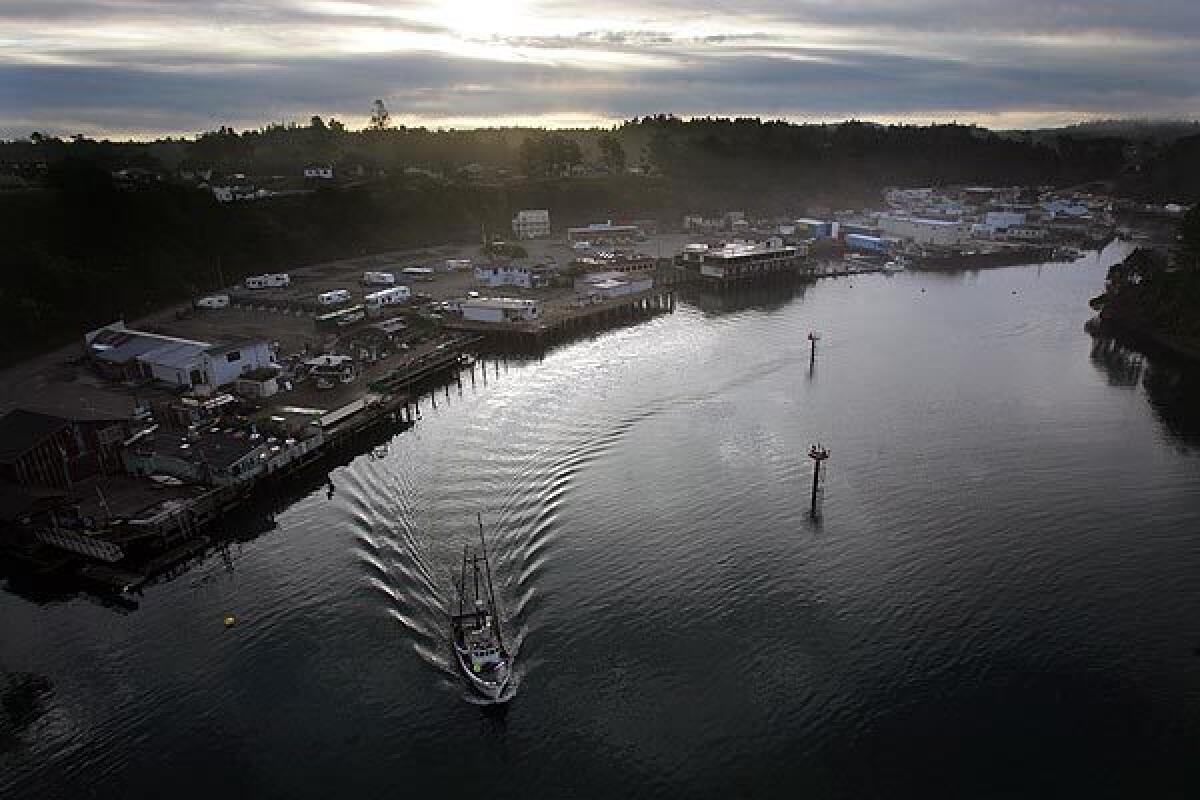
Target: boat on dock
<point>478,640</point>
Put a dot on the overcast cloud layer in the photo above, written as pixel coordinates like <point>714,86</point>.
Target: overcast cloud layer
<point>149,67</point>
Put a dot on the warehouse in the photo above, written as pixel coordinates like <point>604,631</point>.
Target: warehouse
<point>940,232</point>
<point>127,354</point>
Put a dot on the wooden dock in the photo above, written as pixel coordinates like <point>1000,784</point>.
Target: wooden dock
<point>573,321</point>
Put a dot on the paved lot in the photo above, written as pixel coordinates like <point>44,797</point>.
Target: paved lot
<point>57,383</point>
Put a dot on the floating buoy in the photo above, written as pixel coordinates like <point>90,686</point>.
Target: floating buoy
<point>230,620</point>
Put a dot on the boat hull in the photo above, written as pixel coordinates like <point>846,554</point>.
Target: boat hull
<point>492,690</point>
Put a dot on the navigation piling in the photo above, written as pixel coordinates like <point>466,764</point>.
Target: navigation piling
<point>813,338</point>
<point>818,454</point>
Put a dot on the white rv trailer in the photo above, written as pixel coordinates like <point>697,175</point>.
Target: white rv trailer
<point>213,301</point>
<point>272,280</point>
<point>387,297</point>
<point>334,297</point>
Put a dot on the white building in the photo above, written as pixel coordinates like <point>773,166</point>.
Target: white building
<point>511,275</point>
<point>736,260</point>
<point>531,223</point>
<point>501,309</point>
<point>324,173</point>
<point>180,362</point>
<point>939,232</point>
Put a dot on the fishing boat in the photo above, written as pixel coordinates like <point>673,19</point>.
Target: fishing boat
<point>478,641</point>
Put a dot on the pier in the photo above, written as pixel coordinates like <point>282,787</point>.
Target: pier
<point>576,320</point>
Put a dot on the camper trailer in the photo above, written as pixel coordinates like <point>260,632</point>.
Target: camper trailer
<point>272,280</point>
<point>375,301</point>
<point>334,298</point>
<point>213,301</point>
<point>378,279</point>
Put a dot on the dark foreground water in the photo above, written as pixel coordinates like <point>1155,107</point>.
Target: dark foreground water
<point>1003,597</point>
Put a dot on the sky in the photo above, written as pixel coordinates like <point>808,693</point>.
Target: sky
<point>146,68</point>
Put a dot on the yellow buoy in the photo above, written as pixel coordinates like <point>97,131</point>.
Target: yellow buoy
<point>230,620</point>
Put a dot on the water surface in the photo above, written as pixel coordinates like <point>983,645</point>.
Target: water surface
<point>1000,598</point>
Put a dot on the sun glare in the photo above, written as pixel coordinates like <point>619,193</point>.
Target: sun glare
<point>473,18</point>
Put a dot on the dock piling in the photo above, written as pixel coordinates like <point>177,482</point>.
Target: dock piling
<point>818,454</point>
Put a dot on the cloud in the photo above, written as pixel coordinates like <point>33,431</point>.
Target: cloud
<point>180,66</point>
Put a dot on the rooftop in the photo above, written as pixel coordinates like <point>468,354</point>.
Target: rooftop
<point>499,302</point>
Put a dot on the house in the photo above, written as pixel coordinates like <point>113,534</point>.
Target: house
<point>531,224</point>
<point>319,173</point>
<point>46,450</point>
<point>128,354</point>
<point>501,309</point>
<point>512,275</point>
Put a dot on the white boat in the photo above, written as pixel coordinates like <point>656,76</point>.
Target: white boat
<point>893,266</point>
<point>478,641</point>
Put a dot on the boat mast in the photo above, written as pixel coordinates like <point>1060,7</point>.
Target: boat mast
<point>487,565</point>
<point>491,592</point>
<point>462,585</point>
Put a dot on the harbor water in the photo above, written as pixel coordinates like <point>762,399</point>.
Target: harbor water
<point>1001,596</point>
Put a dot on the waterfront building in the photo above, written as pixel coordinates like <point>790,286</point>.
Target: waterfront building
<point>127,354</point>
<point>872,244</point>
<point>531,223</point>
<point>736,261</point>
<point>938,232</point>
<point>47,450</point>
<point>501,309</point>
